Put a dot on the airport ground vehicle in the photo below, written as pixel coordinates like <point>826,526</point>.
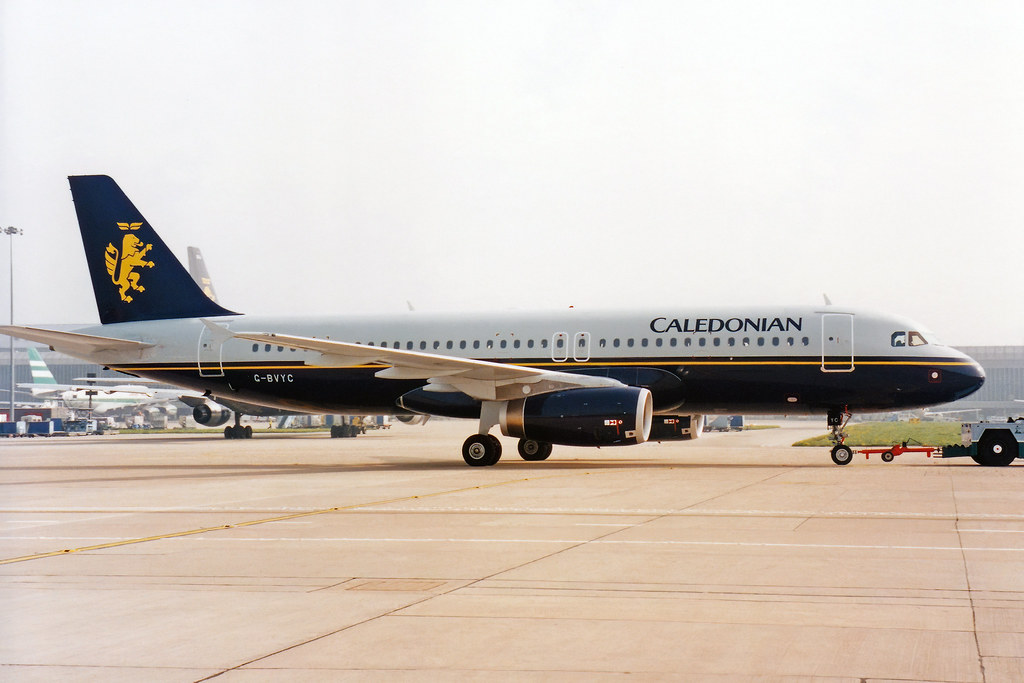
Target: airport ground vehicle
<point>83,426</point>
<point>992,444</point>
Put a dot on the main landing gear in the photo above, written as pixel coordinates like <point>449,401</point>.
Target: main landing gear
<point>484,450</point>
<point>237,431</point>
<point>837,419</point>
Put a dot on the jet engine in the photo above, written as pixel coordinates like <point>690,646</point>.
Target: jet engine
<point>210,414</point>
<point>412,419</point>
<point>677,427</point>
<point>604,416</point>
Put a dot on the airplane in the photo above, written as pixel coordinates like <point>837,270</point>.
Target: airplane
<point>89,395</point>
<point>199,272</point>
<point>572,377</point>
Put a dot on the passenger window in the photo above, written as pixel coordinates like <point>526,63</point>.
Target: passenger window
<point>716,341</point>
<point>437,344</point>
<point>266,349</point>
<point>687,342</point>
<point>544,343</point>
<point>408,346</point>
<point>504,343</point>
<point>659,341</point>
<point>255,347</point>
<point>630,342</point>
<point>423,346</point>
<point>515,344</point>
<point>490,343</point>
<point>615,343</point>
<point>702,341</point>
<point>601,343</point>
<point>462,344</point>
<point>476,343</point>
<point>643,342</point>
<point>805,341</point>
<point>529,343</point>
<point>448,344</point>
<point>732,341</point>
<point>280,349</point>
<point>775,341</point>
<point>673,341</point>
<point>760,341</point>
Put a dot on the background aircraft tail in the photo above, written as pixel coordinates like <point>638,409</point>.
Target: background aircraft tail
<point>197,269</point>
<point>42,378</point>
<point>134,275</point>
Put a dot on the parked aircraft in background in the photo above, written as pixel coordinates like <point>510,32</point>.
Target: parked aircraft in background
<point>90,394</point>
<point>572,378</point>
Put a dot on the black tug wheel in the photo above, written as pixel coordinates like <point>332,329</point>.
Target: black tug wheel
<point>534,450</point>
<point>842,455</point>
<point>887,456</point>
<point>481,450</point>
<point>996,449</point>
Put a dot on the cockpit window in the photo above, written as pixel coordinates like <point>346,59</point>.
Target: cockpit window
<point>908,338</point>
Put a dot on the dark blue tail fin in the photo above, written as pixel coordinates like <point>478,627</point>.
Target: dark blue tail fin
<point>134,275</point>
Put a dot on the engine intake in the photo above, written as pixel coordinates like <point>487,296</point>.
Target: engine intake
<point>605,416</point>
<point>210,415</point>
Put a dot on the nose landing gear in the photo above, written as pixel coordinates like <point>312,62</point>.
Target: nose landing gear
<point>837,419</point>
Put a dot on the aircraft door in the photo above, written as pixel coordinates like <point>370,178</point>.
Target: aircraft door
<point>210,352</point>
<point>560,347</point>
<point>581,347</point>
<point>837,342</point>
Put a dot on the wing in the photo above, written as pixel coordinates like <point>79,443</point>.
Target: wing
<point>482,380</point>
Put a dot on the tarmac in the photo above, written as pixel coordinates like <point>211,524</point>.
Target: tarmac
<point>303,558</point>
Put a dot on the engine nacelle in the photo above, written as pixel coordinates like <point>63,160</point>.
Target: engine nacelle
<point>677,427</point>
<point>210,415</point>
<point>602,416</point>
<point>412,419</point>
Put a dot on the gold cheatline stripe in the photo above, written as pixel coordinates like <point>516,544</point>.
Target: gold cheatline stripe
<point>204,530</point>
<point>553,364</point>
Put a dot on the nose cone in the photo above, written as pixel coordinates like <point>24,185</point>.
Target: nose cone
<point>965,379</point>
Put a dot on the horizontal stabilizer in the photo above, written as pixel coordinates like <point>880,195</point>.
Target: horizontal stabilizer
<point>74,343</point>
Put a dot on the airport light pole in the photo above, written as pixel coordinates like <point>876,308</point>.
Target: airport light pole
<point>11,231</point>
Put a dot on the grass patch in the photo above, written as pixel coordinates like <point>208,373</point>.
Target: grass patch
<point>889,433</point>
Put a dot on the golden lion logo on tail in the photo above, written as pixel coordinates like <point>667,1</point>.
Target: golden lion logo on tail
<point>121,264</point>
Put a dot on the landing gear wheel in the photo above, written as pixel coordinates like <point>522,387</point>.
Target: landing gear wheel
<point>481,450</point>
<point>534,450</point>
<point>996,449</point>
<point>842,455</point>
<point>887,456</point>
<point>247,432</point>
<point>229,432</point>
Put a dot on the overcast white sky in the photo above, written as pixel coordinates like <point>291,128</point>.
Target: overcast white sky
<point>335,157</point>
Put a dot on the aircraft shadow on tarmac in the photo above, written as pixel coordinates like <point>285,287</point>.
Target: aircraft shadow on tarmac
<point>157,472</point>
